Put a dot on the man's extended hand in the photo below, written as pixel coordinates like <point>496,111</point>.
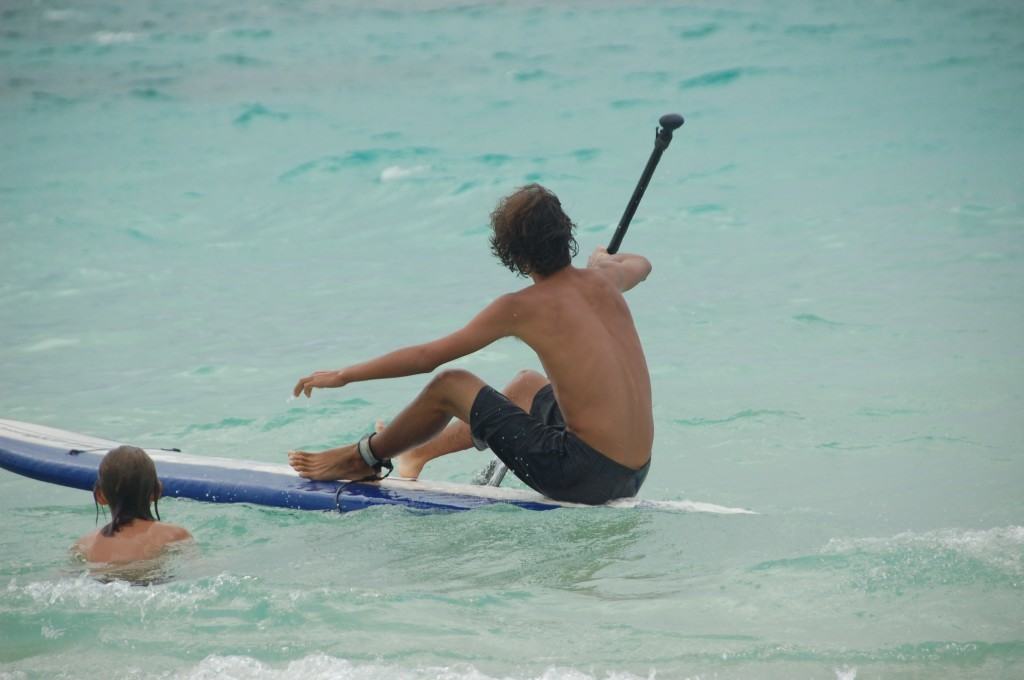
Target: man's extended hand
<point>319,379</point>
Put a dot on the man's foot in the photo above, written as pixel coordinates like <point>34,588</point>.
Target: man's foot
<point>410,464</point>
<point>343,462</point>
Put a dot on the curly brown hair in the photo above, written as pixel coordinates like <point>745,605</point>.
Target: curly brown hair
<point>532,235</point>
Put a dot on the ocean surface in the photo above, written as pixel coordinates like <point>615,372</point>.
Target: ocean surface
<point>201,202</point>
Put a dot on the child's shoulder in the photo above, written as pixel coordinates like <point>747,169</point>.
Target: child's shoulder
<point>172,532</point>
<point>85,543</point>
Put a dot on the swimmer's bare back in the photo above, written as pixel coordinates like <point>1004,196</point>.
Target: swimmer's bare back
<point>139,540</point>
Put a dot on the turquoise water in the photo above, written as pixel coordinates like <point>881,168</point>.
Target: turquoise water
<point>200,203</point>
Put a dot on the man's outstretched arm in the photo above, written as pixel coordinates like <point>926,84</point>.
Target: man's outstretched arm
<point>494,322</point>
<point>623,269</point>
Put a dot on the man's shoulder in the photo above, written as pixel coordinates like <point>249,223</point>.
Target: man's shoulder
<point>509,303</point>
<point>524,298</point>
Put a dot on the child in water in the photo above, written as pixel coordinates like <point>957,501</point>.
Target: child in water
<point>127,482</point>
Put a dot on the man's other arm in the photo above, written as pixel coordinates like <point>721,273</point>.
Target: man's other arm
<point>625,270</point>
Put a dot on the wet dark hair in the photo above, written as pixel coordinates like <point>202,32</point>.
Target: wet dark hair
<point>532,235</point>
<point>127,478</point>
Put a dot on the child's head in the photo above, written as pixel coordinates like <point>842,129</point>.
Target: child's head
<point>531,233</point>
<point>127,482</point>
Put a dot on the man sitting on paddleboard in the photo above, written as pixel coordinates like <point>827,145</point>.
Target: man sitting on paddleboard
<point>587,434</point>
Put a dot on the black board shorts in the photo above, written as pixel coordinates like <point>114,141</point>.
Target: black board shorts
<point>538,449</point>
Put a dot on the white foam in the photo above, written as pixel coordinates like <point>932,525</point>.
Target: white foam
<point>1000,546</point>
<point>393,172</point>
<point>13,675</point>
<point>319,666</point>
<point>50,343</point>
<point>115,37</point>
<point>51,633</point>
<point>679,506</point>
<point>86,592</point>
<point>60,14</point>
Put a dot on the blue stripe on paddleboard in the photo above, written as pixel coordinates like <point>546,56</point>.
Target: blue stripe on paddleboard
<point>52,462</point>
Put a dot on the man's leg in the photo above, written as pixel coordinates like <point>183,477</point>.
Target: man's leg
<point>456,437</point>
<point>449,394</point>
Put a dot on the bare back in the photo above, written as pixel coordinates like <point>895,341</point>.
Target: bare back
<point>578,323</point>
<point>139,540</point>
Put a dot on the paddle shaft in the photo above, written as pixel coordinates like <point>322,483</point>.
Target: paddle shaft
<point>662,138</point>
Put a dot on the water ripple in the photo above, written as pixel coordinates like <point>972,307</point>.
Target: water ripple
<point>747,414</point>
<point>715,78</point>
<point>358,158</point>
<point>256,111</point>
<point>814,319</point>
<point>699,31</point>
<point>239,59</point>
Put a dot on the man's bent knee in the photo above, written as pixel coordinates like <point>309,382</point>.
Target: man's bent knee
<point>455,389</point>
<point>524,386</point>
<point>448,378</point>
<point>529,375</point>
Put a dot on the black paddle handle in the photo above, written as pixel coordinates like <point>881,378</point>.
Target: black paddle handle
<point>662,138</point>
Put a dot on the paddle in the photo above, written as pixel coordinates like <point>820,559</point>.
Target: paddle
<point>669,123</point>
